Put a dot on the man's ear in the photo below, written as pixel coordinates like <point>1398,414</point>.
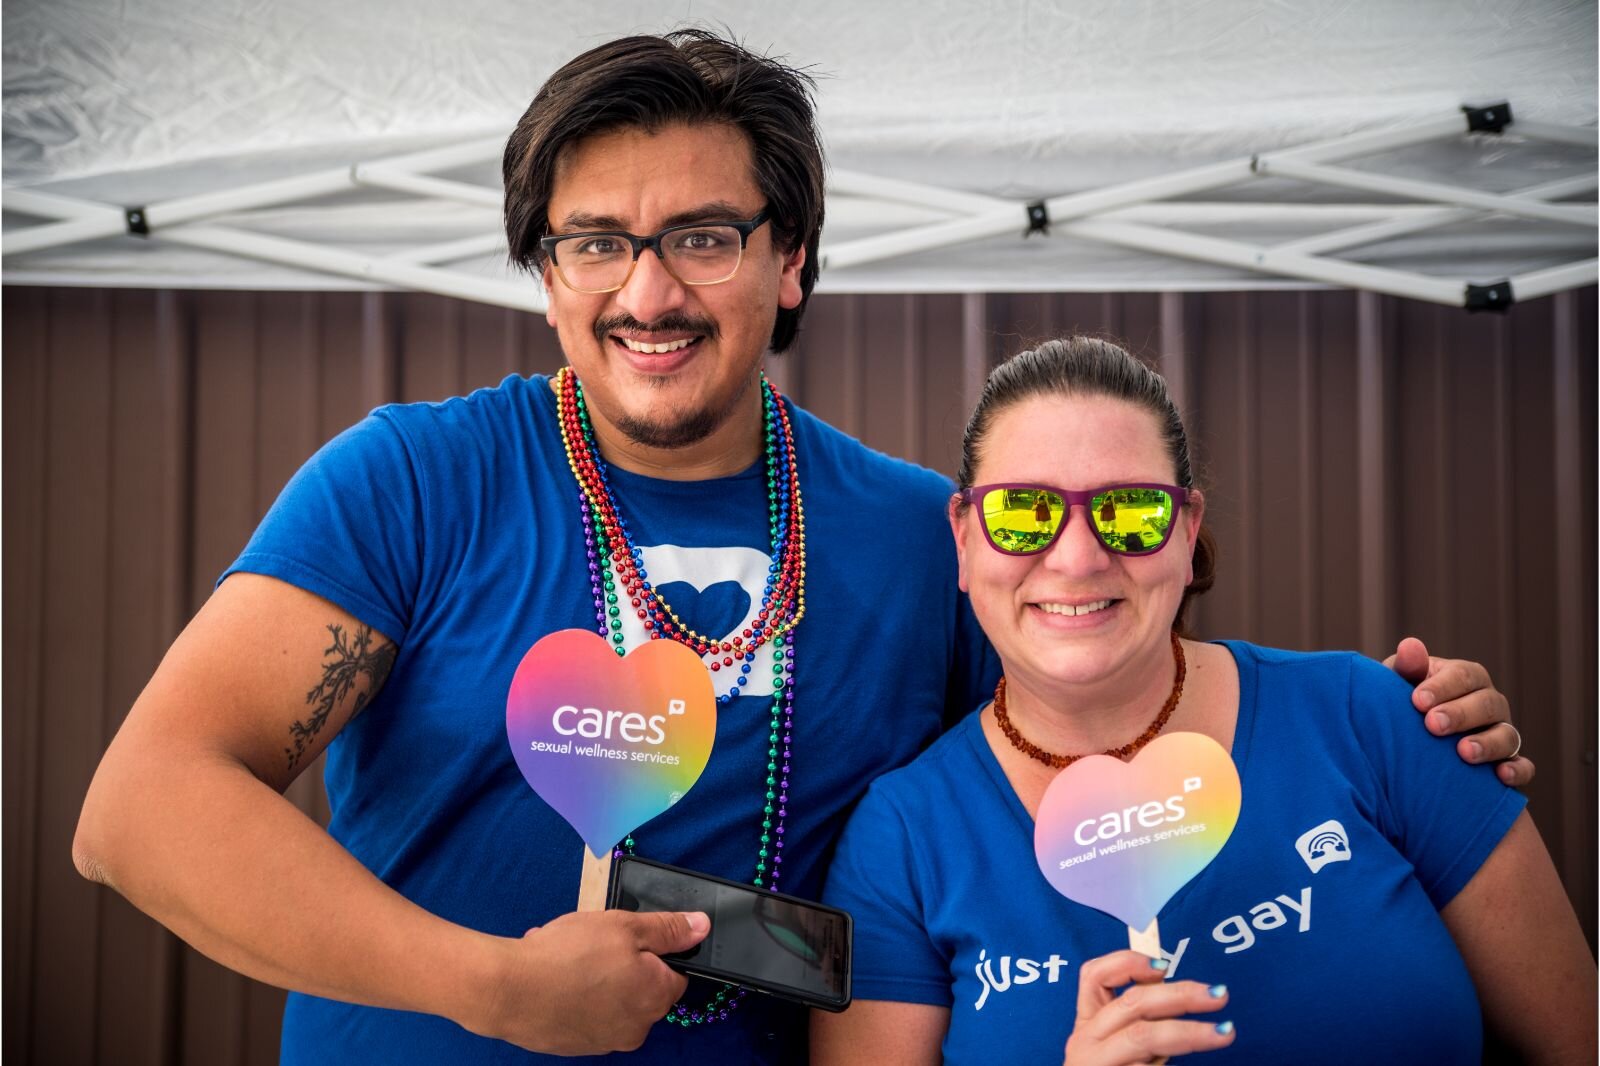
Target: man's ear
<point>1194,512</point>
<point>547,278</point>
<point>958,530</point>
<point>790,294</point>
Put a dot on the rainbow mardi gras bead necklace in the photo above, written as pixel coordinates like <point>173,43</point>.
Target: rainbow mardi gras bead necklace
<point>615,562</point>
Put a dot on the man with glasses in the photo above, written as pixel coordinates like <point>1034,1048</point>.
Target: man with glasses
<point>669,193</point>
<point>694,253</point>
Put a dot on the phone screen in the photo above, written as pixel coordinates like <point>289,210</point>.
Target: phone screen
<point>765,940</point>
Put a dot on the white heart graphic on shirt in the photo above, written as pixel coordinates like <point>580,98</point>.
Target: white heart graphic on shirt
<point>701,568</point>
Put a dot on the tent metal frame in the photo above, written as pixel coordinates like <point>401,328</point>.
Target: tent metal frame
<point>1131,214</point>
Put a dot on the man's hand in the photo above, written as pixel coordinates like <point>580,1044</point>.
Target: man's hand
<point>1457,696</point>
<point>588,983</point>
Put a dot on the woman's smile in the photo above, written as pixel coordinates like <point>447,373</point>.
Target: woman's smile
<point>1075,610</point>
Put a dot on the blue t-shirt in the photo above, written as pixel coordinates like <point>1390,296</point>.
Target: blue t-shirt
<point>1320,914</point>
<point>454,529</point>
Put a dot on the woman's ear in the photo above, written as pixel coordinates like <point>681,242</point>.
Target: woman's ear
<point>955,511</point>
<point>1194,512</point>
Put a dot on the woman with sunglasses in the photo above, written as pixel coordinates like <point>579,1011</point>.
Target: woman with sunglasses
<point>1378,900</point>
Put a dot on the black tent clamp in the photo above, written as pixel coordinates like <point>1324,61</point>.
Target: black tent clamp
<point>1038,219</point>
<point>1496,296</point>
<point>1491,119</point>
<point>138,221</point>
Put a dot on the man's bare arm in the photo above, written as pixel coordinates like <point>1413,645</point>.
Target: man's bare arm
<point>186,818</point>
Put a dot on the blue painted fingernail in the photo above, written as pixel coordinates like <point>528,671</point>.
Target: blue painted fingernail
<point>1159,964</point>
<point>1224,1028</point>
<point>1218,991</point>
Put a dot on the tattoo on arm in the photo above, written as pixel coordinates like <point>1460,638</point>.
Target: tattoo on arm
<point>346,659</point>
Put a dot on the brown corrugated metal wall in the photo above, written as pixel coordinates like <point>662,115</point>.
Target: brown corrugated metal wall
<point>1378,467</point>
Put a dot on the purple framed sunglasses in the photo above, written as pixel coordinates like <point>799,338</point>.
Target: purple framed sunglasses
<point>1024,519</point>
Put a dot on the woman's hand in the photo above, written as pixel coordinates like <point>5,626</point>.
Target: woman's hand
<point>1142,1024</point>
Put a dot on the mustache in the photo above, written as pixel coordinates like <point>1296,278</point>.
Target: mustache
<point>623,322</point>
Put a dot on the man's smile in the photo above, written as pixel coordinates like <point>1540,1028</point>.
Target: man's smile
<point>656,352</point>
<point>656,349</point>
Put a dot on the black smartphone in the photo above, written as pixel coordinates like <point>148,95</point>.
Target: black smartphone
<point>765,941</point>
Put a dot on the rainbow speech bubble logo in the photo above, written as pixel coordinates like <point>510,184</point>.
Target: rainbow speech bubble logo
<point>610,742</point>
<point>1123,838</point>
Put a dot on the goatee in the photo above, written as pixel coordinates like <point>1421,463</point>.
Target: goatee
<point>691,428</point>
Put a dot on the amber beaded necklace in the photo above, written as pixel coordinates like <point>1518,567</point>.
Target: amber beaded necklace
<point>616,563</point>
<point>1033,751</point>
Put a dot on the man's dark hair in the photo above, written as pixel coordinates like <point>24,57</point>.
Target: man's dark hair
<point>687,76</point>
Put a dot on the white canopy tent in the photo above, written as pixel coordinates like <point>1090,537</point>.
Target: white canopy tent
<point>1147,144</point>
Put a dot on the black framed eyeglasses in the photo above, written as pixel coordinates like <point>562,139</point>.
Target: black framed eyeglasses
<point>695,253</point>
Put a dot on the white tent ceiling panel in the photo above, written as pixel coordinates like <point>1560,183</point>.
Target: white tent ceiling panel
<point>147,102</point>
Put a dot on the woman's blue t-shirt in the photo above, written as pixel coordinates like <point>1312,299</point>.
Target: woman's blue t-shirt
<point>1335,957</point>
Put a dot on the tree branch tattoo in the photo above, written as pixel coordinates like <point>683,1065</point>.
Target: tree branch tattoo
<point>345,660</point>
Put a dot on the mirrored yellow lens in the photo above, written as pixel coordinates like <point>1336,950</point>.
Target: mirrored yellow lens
<point>1132,520</point>
<point>1022,520</point>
